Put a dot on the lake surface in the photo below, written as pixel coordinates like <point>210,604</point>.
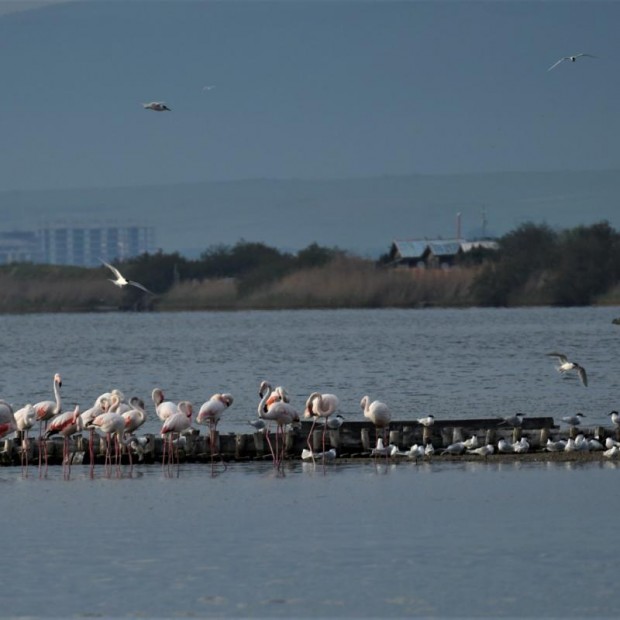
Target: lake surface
<point>349,540</point>
<point>451,363</point>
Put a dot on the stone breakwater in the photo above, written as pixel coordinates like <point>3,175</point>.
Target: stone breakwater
<point>353,440</point>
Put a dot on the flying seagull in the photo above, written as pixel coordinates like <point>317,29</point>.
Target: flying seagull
<point>566,366</point>
<point>121,281</point>
<point>208,87</point>
<point>158,106</point>
<point>572,58</point>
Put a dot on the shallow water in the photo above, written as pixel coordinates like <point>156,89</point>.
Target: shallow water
<point>363,540</point>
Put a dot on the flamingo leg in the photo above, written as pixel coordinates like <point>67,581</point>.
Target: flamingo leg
<point>310,447</point>
<point>273,455</point>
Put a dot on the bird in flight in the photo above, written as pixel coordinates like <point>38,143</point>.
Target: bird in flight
<point>121,281</point>
<point>208,87</point>
<point>157,106</point>
<point>572,58</point>
<point>566,366</point>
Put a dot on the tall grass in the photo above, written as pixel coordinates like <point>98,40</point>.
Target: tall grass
<point>346,282</point>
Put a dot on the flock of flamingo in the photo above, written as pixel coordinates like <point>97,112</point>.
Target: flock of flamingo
<point>117,419</point>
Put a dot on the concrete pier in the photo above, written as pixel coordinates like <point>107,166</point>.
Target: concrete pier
<point>354,439</point>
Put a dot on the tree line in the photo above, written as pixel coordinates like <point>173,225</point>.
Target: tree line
<point>536,264</point>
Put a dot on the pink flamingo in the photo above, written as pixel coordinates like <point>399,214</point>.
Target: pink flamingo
<point>112,424</point>
<point>320,406</point>
<point>210,413</point>
<point>7,419</point>
<point>46,410</point>
<point>135,417</point>
<point>176,424</point>
<point>379,414</point>
<point>163,408</point>
<point>101,406</point>
<point>279,411</point>
<point>25,419</point>
<point>65,424</point>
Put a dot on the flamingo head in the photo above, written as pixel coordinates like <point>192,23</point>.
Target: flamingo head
<point>58,380</point>
<point>264,386</point>
<point>227,399</point>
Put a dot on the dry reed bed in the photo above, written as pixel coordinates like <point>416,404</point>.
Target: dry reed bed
<point>343,283</point>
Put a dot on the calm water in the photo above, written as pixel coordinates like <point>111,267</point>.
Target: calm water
<point>452,363</point>
<point>366,540</point>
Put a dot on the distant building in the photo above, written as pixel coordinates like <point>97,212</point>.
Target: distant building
<point>82,246</point>
<point>433,253</point>
<point>19,247</point>
<point>87,245</point>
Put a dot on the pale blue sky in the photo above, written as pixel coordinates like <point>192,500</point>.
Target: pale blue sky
<point>303,89</point>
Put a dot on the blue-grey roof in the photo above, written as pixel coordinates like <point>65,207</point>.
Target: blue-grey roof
<point>411,249</point>
<point>444,248</point>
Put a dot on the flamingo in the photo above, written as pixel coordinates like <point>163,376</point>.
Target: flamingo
<point>7,419</point>
<point>65,424</point>
<point>320,406</point>
<point>101,405</point>
<point>44,411</point>
<point>112,424</point>
<point>25,419</point>
<point>163,408</point>
<point>135,416</point>
<point>378,413</point>
<point>177,423</point>
<point>280,411</point>
<point>210,413</point>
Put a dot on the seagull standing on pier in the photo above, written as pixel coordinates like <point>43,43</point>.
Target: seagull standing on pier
<point>573,420</point>
<point>121,281</point>
<point>566,366</point>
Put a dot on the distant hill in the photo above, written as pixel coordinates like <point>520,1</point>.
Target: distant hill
<point>362,215</point>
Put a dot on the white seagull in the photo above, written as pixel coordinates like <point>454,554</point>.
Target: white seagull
<point>573,420</point>
<point>121,281</point>
<point>565,366</point>
<point>157,106</point>
<point>572,58</point>
<point>427,421</point>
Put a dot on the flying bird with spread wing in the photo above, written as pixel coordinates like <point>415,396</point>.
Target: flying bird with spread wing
<point>157,106</point>
<point>572,58</point>
<point>121,281</point>
<point>566,366</point>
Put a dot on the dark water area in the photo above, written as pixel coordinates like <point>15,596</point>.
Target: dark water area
<point>344,541</point>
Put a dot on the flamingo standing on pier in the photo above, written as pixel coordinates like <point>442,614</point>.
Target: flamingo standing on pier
<point>101,405</point>
<point>112,424</point>
<point>65,424</point>
<point>176,424</point>
<point>320,406</point>
<point>273,407</point>
<point>7,419</point>
<point>25,419</point>
<point>211,412</point>
<point>163,408</point>
<point>378,413</point>
<point>45,411</point>
<point>135,416</point>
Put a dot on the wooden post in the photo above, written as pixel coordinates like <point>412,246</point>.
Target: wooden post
<point>544,435</point>
<point>239,445</point>
<point>289,440</point>
<point>427,436</point>
<point>334,438</point>
<point>365,436</point>
<point>394,438</point>
<point>259,443</point>
<point>317,440</point>
<point>490,436</point>
<point>446,436</point>
<point>516,434</point>
<point>457,434</point>
<point>409,434</point>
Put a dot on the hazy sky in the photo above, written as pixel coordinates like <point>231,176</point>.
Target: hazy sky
<point>303,89</point>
